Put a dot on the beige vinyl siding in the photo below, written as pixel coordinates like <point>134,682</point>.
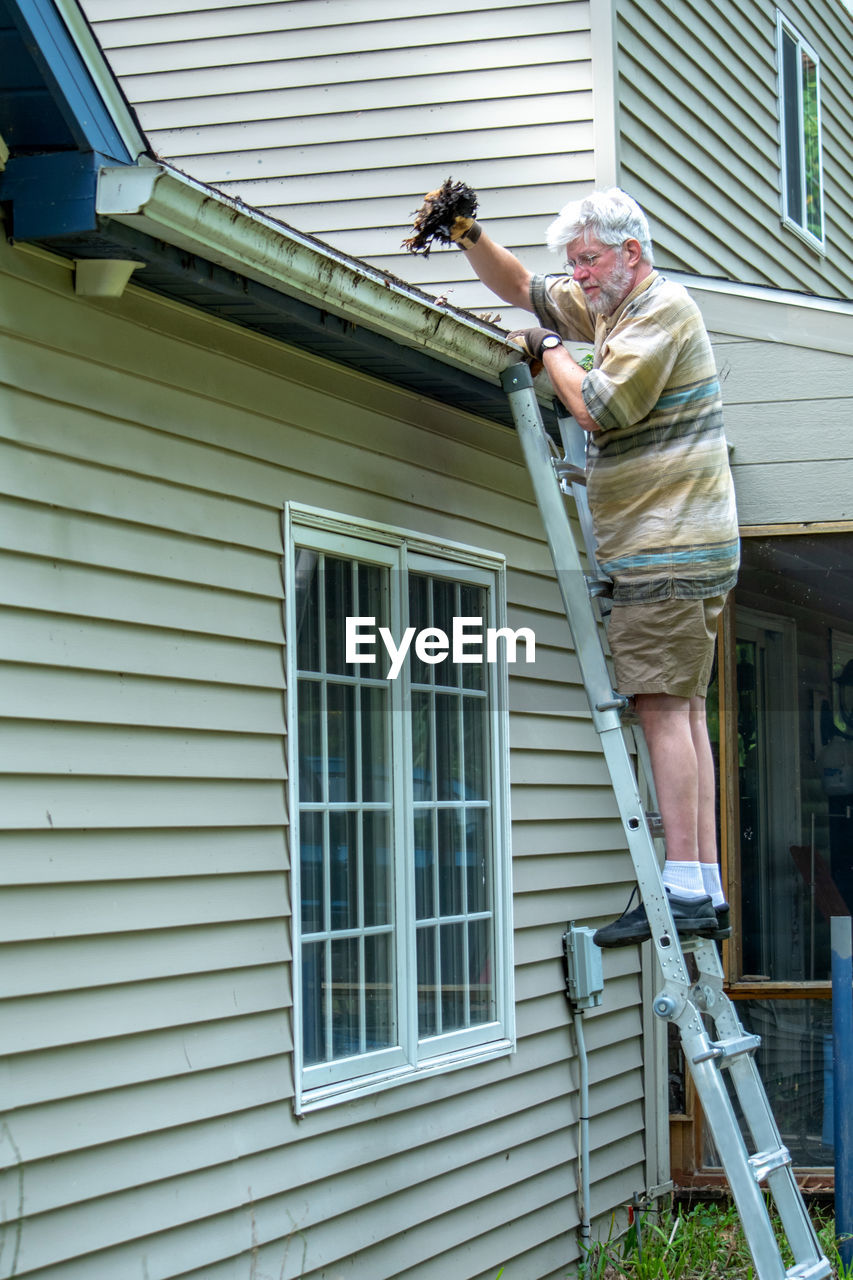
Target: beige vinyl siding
<point>147,454</point>
<point>338,118</point>
<point>699,138</point>
<point>787,413</point>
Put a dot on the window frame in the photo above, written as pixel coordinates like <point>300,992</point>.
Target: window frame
<point>785,27</point>
<point>320,1085</point>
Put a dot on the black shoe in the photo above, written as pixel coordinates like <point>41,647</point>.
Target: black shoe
<point>692,917</point>
<point>724,923</point>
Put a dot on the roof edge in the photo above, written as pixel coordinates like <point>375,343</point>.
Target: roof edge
<point>771,315</point>
<point>166,204</point>
<point>103,78</point>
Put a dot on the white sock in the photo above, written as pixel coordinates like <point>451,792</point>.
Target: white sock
<point>712,882</point>
<point>684,878</point>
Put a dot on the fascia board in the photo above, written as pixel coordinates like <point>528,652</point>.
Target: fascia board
<point>163,203</point>
<point>102,77</point>
<point>771,315</point>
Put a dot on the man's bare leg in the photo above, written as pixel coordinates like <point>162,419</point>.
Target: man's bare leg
<point>683,769</point>
<point>671,729</point>
<point>707,783</point>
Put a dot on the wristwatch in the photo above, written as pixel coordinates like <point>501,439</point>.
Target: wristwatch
<point>550,341</point>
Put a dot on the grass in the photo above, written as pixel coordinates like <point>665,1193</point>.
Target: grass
<point>705,1243</point>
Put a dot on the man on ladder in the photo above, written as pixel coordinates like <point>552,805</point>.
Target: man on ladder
<point>660,492</point>
<point>662,501</point>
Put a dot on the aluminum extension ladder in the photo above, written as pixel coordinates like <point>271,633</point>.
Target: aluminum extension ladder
<point>687,1002</point>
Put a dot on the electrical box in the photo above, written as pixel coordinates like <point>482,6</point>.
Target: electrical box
<point>583,969</point>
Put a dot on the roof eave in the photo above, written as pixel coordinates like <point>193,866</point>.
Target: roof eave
<point>771,315</point>
<point>164,203</point>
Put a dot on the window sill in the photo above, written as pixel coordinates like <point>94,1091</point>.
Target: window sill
<point>350,1090</point>
<point>818,246</point>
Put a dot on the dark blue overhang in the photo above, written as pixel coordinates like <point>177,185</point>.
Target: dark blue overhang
<point>48,99</point>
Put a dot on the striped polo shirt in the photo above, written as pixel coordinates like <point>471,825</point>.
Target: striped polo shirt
<point>659,483</point>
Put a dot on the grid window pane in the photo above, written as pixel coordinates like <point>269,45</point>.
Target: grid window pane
<point>444,608</point>
<point>338,604</point>
<point>474,741</point>
<point>376,858</point>
<point>341,729</point>
<point>379,991</point>
<point>346,997</point>
<point>311,768</point>
<point>375,760</point>
<point>343,869</point>
<point>448,757</point>
<point>424,865</point>
<point>472,604</point>
<point>419,618</point>
<point>451,843</point>
<point>312,872</point>
<point>308,610</point>
<point>365,744</point>
<point>349,989</point>
<point>454,977</point>
<point>477,860</point>
<point>422,775</point>
<point>453,827</point>
<point>427,984</point>
<point>480,984</point>
<point>313,990</point>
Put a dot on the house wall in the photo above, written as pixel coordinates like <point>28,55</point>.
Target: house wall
<point>699,137</point>
<point>146,1006</point>
<point>787,413</point>
<point>338,118</point>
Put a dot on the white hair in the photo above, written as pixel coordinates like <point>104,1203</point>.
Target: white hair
<point>612,217</point>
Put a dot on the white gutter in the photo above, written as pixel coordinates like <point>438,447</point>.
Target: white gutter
<point>772,315</point>
<point>166,204</point>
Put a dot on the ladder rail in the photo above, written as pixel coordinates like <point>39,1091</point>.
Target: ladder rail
<point>605,705</point>
<point>681,1000</point>
<point>755,1107</point>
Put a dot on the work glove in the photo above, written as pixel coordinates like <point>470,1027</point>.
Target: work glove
<point>446,215</point>
<point>530,341</point>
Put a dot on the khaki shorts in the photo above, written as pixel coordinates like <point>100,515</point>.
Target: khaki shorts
<point>664,646</point>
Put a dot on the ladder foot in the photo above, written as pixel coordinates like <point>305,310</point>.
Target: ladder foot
<point>810,1270</point>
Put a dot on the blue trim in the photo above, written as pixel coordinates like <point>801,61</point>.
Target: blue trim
<point>58,59</point>
<point>52,195</point>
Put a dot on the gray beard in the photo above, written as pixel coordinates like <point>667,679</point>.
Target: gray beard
<point>611,294</point>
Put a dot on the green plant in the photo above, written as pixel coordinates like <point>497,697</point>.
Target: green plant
<point>704,1243</point>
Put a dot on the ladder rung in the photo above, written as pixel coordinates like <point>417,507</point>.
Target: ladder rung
<point>568,471</point>
<point>655,823</point>
<point>729,1048</point>
<point>810,1270</point>
<point>599,586</point>
<point>765,1162</point>
<point>617,703</point>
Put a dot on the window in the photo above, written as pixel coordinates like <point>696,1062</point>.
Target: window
<point>799,99</point>
<point>402,955</point>
<point>785,736</point>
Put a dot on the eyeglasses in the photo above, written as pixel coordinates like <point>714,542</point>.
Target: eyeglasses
<point>585,260</point>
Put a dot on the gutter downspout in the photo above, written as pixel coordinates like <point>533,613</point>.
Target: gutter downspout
<point>584,1229</point>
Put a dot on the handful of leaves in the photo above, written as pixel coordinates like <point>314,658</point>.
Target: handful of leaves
<point>445,215</point>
